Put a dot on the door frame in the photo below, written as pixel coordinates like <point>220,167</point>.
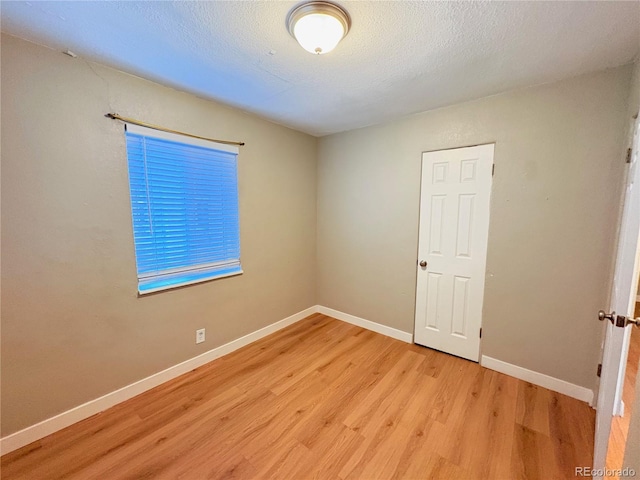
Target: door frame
<point>618,407</point>
<point>615,345</point>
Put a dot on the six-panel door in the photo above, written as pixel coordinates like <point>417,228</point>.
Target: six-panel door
<point>454,226</point>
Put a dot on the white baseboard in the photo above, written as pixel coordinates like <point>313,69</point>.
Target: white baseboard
<point>368,324</point>
<point>540,379</point>
<point>47,427</point>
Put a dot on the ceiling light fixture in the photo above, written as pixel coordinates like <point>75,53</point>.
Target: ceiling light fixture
<point>318,26</point>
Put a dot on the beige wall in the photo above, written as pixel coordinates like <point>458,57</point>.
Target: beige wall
<point>72,326</point>
<point>559,166</point>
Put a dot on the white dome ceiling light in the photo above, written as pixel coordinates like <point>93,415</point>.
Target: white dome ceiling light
<point>318,26</point>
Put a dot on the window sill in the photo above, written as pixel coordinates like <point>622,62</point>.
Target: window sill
<point>148,286</point>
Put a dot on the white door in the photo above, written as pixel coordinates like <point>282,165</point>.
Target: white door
<point>622,302</point>
<point>452,249</point>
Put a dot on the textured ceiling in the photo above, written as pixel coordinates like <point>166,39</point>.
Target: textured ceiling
<point>399,58</point>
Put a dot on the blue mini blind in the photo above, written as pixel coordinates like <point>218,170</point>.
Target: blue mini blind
<point>184,202</point>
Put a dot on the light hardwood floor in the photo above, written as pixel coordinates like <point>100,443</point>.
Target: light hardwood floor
<point>325,399</point>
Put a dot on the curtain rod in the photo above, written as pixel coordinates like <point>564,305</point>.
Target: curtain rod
<point>115,116</point>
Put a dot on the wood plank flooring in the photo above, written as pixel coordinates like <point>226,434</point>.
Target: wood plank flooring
<point>323,399</point>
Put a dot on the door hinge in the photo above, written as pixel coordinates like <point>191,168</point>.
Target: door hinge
<point>599,372</point>
<point>493,169</point>
<point>628,160</point>
<point>480,333</point>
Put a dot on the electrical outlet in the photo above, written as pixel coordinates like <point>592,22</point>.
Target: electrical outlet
<point>200,335</point>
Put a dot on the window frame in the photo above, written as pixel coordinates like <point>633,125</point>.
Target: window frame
<point>152,282</point>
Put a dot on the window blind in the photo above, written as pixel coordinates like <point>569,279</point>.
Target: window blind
<point>184,203</point>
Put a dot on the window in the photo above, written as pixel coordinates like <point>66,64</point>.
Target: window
<point>184,203</point>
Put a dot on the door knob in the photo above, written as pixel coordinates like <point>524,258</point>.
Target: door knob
<point>423,263</point>
<point>634,321</point>
<point>606,316</point>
